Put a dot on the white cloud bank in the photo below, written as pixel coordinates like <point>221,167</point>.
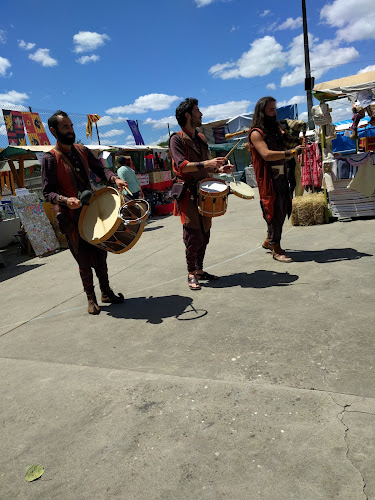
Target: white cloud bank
<point>144,103</point>
<point>225,110</point>
<point>4,66</point>
<point>265,55</point>
<point>367,68</point>
<point>42,57</point>
<point>203,3</point>
<point>290,24</point>
<point>162,122</point>
<point>88,41</point>
<point>355,19</point>
<point>13,98</point>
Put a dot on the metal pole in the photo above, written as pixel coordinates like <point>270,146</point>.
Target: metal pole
<point>169,132</point>
<point>308,80</point>
<point>97,132</point>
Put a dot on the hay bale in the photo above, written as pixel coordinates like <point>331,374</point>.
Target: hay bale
<point>308,210</point>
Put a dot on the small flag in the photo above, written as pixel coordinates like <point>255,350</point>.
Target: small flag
<point>90,120</point>
<point>135,131</point>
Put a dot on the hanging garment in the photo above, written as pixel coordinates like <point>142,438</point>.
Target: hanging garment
<point>312,164</point>
<point>364,181</point>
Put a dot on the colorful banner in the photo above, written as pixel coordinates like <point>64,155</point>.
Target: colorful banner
<point>135,131</point>
<point>35,129</point>
<point>14,125</point>
<point>90,120</point>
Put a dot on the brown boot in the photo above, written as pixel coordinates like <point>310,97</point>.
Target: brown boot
<point>92,305</point>
<point>109,297</point>
<point>266,244</point>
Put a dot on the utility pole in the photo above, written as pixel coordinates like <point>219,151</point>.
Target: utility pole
<point>309,81</point>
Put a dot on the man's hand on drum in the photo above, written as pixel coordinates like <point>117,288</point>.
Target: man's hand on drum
<point>226,169</point>
<point>121,184</point>
<point>73,203</point>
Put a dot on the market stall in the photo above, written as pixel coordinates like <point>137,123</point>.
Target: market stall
<point>349,180</point>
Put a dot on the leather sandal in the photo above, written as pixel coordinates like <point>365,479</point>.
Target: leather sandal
<point>193,283</point>
<point>206,276</point>
<point>281,257</point>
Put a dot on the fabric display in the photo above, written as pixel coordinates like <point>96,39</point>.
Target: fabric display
<point>364,181</point>
<point>36,224</point>
<point>14,126</point>
<point>321,114</point>
<point>311,170</point>
<point>35,129</point>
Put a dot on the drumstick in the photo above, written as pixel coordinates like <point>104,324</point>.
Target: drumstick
<point>131,194</point>
<point>234,147</point>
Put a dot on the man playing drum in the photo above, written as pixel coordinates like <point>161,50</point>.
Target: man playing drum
<point>65,174</point>
<point>191,163</point>
<point>268,157</point>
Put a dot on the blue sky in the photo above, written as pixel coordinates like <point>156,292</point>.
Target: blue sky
<point>137,60</point>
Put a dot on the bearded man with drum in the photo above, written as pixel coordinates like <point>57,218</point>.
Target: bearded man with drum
<point>191,164</point>
<point>268,157</point>
<point>66,175</point>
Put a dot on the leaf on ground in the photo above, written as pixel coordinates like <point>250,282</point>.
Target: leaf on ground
<point>33,472</point>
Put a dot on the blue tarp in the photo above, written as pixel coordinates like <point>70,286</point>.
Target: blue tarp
<point>345,144</point>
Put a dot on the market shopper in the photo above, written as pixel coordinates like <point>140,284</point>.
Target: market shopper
<point>65,176</point>
<point>268,157</point>
<point>191,164</point>
<point>126,173</point>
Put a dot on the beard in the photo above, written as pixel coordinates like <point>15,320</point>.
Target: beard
<point>270,123</point>
<point>67,139</point>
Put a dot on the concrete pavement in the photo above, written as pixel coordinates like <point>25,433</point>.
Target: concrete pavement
<point>259,386</point>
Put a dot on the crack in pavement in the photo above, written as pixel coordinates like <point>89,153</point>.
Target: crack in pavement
<point>340,417</point>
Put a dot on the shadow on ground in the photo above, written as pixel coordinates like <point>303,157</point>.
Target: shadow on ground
<point>326,256</point>
<point>154,309</point>
<point>257,279</point>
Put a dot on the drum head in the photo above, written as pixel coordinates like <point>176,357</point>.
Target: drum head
<point>242,190</point>
<point>101,215</point>
<point>213,186</point>
<point>134,211</point>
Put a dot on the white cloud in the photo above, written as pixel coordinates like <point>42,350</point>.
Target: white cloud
<point>87,59</point>
<point>265,55</point>
<point>355,19</point>
<point>154,102</point>
<point>318,55</point>
<point>108,120</point>
<point>26,45</point>
<point>234,28</point>
<point>297,99</point>
<point>366,69</point>
<point>162,138</point>
<point>130,138</point>
<point>42,56</point>
<point>265,13</point>
<point>225,110</point>
<point>162,122</point>
<point>112,133</point>
<point>341,110</point>
<point>3,36</point>
<point>203,3</point>
<point>303,116</point>
<point>4,65</point>
<point>13,97</point>
<point>88,41</point>
<point>271,86</point>
<point>290,24</point>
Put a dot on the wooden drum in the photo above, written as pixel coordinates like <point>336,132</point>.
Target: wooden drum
<point>111,224</point>
<point>212,197</point>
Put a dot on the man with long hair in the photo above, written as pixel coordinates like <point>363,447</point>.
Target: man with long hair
<point>65,175</point>
<point>191,163</point>
<point>268,157</point>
